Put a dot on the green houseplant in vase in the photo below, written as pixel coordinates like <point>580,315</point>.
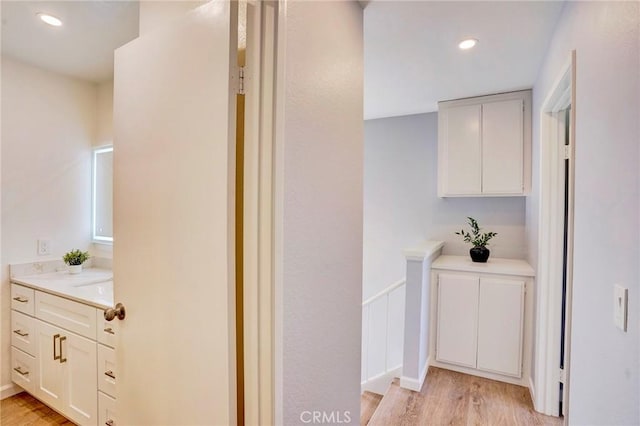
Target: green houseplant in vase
<point>479,252</point>
<point>74,259</point>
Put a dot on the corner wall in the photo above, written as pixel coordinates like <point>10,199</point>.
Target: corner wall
<point>48,127</point>
<point>605,362</point>
<point>318,218</point>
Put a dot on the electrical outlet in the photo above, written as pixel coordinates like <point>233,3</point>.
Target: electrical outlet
<point>620,295</point>
<point>44,247</point>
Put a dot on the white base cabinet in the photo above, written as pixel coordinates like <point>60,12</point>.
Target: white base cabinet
<point>67,380</point>
<point>481,324</point>
<point>57,358</point>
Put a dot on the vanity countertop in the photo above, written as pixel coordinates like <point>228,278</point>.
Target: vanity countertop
<point>93,286</point>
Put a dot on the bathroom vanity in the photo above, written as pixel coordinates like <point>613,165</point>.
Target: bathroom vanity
<point>62,348</point>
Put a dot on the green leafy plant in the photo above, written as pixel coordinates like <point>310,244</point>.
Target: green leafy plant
<point>475,237</point>
<point>75,257</point>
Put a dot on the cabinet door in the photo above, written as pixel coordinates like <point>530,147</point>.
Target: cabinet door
<point>457,319</point>
<point>500,319</point>
<point>49,387</point>
<point>81,385</point>
<point>502,147</point>
<point>461,147</point>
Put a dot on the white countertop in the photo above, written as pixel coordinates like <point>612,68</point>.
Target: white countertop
<point>493,266</point>
<point>93,286</point>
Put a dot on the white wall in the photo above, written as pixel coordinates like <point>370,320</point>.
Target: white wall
<point>402,209</point>
<point>104,126</point>
<point>605,377</point>
<point>319,211</point>
<point>48,126</point>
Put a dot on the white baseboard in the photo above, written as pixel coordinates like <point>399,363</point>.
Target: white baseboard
<point>415,384</point>
<point>380,383</point>
<point>9,390</point>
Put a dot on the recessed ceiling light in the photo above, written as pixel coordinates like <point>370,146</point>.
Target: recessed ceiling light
<point>49,19</point>
<point>467,44</point>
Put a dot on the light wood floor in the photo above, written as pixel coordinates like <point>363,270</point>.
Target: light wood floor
<point>368,404</point>
<point>25,410</point>
<point>450,398</point>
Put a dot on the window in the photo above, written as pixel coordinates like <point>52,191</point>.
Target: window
<point>102,223</point>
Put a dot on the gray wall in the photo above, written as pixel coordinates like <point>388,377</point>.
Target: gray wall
<point>604,365</point>
<point>401,207</point>
<point>319,212</point>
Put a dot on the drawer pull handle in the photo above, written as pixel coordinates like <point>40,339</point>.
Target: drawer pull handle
<point>110,374</point>
<point>109,330</point>
<point>20,372</point>
<point>21,333</point>
<point>110,423</point>
<point>21,299</point>
<point>55,356</point>
<point>62,359</point>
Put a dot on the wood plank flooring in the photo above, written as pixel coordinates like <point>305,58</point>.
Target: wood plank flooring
<point>451,398</point>
<point>25,410</point>
<point>368,404</point>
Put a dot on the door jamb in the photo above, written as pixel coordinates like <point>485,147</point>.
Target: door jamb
<point>550,247</point>
<point>258,238</point>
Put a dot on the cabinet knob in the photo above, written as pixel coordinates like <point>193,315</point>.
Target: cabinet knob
<point>111,313</point>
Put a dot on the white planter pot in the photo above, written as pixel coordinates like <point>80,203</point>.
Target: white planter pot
<point>75,269</point>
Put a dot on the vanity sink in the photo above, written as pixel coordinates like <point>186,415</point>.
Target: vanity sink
<point>92,285</point>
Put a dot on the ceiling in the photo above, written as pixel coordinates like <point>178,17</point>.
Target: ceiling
<point>412,60</point>
<point>82,47</point>
<point>410,47</point>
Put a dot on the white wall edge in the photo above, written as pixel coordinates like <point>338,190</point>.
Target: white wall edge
<point>9,390</point>
<point>423,251</point>
<point>413,384</point>
<point>532,392</point>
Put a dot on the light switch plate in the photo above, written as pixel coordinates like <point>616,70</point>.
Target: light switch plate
<point>620,307</point>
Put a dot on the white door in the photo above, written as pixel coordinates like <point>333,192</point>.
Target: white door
<point>50,380</point>
<point>500,322</point>
<point>463,148</point>
<point>502,147</point>
<point>80,363</point>
<point>174,132</point>
<point>457,324</point>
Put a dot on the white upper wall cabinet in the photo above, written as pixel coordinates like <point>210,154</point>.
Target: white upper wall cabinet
<point>484,146</point>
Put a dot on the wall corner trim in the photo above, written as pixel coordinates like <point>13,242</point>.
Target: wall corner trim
<point>423,251</point>
<point>415,384</point>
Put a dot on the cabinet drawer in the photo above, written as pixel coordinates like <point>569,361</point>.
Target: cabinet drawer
<point>107,371</point>
<point>106,410</point>
<point>23,332</point>
<point>67,314</point>
<point>22,299</point>
<point>23,370</point>
<point>107,330</point>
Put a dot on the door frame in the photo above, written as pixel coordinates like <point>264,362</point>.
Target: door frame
<point>258,216</point>
<point>550,241</point>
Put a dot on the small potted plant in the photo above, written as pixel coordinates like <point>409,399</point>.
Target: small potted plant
<point>479,252</point>
<point>75,259</point>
